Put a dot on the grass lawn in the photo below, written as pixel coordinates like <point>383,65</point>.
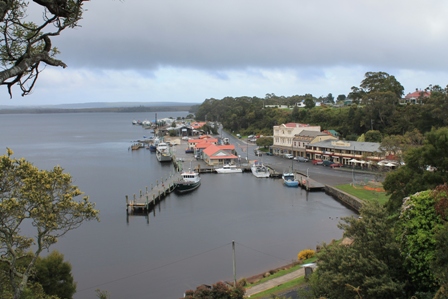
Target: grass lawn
<point>284,287</point>
<point>363,194</point>
<point>280,289</point>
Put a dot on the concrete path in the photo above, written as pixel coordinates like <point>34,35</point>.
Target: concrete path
<point>275,282</point>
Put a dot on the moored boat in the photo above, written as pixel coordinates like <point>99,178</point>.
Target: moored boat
<point>189,182</point>
<point>289,180</point>
<point>229,168</point>
<point>163,152</point>
<point>153,146</point>
<point>259,170</point>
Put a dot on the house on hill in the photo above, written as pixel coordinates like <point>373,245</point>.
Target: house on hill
<point>416,97</point>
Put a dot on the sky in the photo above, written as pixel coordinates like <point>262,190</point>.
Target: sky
<point>193,50</point>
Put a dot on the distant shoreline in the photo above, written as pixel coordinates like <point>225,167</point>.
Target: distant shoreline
<point>37,110</point>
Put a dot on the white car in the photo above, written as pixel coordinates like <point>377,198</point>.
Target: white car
<point>289,156</point>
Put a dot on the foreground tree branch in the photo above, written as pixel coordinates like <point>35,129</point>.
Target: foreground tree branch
<point>24,44</point>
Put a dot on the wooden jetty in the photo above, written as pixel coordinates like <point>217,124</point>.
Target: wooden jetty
<point>307,183</point>
<point>146,201</point>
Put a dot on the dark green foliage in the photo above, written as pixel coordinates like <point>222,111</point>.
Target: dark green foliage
<point>265,141</point>
<point>373,136</point>
<point>368,268</point>
<point>219,290</point>
<point>54,275</point>
<point>440,263</point>
<point>415,229</point>
<point>413,176</point>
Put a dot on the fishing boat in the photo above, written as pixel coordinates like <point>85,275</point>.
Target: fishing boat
<point>163,152</point>
<point>189,182</point>
<point>289,179</point>
<point>136,146</point>
<point>153,146</point>
<point>259,170</point>
<point>229,168</point>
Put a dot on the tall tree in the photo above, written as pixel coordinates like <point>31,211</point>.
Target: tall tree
<point>381,82</point>
<point>25,45</point>
<point>416,229</point>
<point>43,199</point>
<point>369,267</point>
<point>414,176</point>
<point>341,98</point>
<point>55,275</point>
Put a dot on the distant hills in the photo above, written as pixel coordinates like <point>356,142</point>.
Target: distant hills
<point>101,107</point>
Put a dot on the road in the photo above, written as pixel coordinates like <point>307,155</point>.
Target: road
<point>322,174</point>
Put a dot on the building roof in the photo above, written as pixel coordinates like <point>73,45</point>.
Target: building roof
<point>295,125</point>
<point>197,125</point>
<point>349,145</point>
<point>217,152</point>
<point>204,144</point>
<point>307,133</point>
<point>209,140</point>
<point>332,132</point>
<point>416,94</point>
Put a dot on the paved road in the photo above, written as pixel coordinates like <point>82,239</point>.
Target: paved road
<point>275,282</point>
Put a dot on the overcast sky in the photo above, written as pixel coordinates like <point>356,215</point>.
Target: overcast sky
<point>192,50</point>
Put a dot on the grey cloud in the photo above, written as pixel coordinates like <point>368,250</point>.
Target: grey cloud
<point>225,35</point>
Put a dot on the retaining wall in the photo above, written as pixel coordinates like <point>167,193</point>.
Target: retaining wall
<point>346,199</point>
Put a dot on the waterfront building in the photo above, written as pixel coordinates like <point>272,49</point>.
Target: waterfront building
<point>284,135</point>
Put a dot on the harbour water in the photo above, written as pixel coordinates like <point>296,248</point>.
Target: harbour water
<point>186,241</point>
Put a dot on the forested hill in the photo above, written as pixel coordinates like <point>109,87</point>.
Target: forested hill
<point>377,106</point>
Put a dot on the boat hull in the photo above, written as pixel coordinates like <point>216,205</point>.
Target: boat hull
<point>289,183</point>
<point>229,169</point>
<point>163,156</point>
<point>152,148</point>
<point>184,187</point>
<point>260,171</point>
<point>289,180</point>
<point>218,170</point>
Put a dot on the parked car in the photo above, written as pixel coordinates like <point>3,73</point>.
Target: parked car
<point>269,154</point>
<point>289,156</point>
<point>317,162</point>
<point>327,162</point>
<point>301,159</point>
<point>335,165</point>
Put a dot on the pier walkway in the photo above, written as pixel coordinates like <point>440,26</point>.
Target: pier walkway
<point>153,195</point>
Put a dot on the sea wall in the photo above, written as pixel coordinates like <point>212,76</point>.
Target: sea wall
<point>346,199</point>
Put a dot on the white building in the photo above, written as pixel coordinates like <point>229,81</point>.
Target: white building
<point>284,135</point>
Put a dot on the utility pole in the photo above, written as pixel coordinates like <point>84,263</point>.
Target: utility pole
<point>234,264</point>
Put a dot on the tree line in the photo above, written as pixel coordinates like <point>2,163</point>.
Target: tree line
<point>375,107</point>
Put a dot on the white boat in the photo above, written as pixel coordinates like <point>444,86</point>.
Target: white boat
<point>228,168</point>
<point>259,170</point>
<point>289,180</point>
<point>163,152</point>
<point>189,182</point>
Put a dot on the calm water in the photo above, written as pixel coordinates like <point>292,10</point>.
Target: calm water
<point>187,241</point>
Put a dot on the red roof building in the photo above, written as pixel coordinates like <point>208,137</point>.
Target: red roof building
<point>416,97</point>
